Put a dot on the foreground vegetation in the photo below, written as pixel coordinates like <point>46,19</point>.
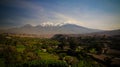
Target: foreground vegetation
<point>59,51</point>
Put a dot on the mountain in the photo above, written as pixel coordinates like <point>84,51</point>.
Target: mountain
<point>52,29</point>
<point>108,33</point>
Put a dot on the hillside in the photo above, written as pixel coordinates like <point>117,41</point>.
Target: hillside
<point>49,29</point>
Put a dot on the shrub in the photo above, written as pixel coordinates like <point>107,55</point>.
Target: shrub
<point>41,63</point>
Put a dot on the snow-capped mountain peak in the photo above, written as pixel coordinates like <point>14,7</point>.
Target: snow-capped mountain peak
<point>51,24</point>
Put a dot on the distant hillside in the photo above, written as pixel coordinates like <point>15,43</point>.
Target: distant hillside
<point>49,29</point>
<point>109,33</point>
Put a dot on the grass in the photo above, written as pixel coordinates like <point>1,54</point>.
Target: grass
<point>20,48</point>
<point>47,56</point>
<point>2,64</point>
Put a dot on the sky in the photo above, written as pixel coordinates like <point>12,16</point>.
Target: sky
<point>96,14</point>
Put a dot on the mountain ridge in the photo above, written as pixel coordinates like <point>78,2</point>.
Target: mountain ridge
<point>52,29</point>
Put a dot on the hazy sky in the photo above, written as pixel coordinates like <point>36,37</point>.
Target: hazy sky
<point>97,14</point>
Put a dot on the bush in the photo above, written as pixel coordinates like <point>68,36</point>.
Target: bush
<point>84,63</point>
<point>41,63</point>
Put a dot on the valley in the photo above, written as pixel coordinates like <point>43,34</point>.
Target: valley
<point>60,50</point>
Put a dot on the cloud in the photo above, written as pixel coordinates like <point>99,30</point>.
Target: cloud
<point>29,12</point>
<point>68,19</point>
<point>22,4</point>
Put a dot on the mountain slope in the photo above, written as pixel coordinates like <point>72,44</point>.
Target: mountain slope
<point>109,33</point>
<point>63,29</point>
